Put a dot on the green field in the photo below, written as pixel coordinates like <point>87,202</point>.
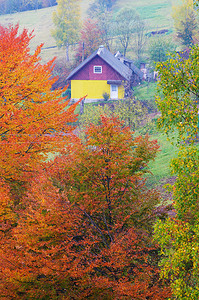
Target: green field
<point>155,12</point>
<point>160,167</point>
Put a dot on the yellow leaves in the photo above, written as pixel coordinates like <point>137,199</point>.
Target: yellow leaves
<point>67,22</point>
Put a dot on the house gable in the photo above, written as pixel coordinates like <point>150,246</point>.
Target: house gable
<point>87,71</point>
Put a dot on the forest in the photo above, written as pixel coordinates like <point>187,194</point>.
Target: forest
<point>82,216</point>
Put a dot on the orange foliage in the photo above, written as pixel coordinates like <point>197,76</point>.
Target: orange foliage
<point>33,122</point>
<point>85,230</point>
<point>33,118</point>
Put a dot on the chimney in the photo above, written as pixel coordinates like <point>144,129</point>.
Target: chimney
<point>101,48</point>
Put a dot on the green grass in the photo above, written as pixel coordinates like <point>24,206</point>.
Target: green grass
<point>155,12</point>
<point>160,167</point>
<point>146,90</point>
<point>146,94</point>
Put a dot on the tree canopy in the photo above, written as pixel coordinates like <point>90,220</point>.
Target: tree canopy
<point>185,22</point>
<point>159,49</point>
<point>125,25</point>
<point>32,116</point>
<point>85,231</point>
<point>67,23</point>
<point>178,94</point>
<point>91,36</point>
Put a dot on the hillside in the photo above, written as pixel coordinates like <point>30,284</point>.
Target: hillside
<point>155,12</point>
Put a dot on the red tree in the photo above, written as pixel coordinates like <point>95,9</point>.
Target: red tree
<point>90,40</point>
<point>85,233</point>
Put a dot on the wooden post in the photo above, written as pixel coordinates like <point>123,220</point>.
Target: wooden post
<point>82,107</point>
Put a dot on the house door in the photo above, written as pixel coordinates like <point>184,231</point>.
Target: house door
<point>114,91</point>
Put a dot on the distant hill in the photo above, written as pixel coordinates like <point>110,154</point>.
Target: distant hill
<point>155,12</point>
<point>13,6</point>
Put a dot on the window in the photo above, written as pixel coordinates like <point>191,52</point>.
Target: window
<point>114,88</point>
<point>97,69</point>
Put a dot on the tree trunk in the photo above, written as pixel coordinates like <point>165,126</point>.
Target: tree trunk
<point>67,52</point>
<point>83,51</point>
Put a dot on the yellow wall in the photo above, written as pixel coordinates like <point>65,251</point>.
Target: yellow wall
<point>121,92</point>
<point>92,88</point>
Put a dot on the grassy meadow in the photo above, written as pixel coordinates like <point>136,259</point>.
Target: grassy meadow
<point>155,12</point>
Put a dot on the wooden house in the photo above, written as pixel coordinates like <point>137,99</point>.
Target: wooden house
<point>100,73</point>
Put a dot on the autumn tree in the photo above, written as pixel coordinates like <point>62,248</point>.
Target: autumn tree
<point>90,39</point>
<point>178,235</point>
<point>177,96</point>
<point>33,117</point>
<point>33,124</point>
<point>86,230</point>
<point>185,22</point>
<point>67,23</point>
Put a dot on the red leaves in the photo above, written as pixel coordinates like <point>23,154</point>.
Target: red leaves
<point>86,224</point>
<point>91,38</point>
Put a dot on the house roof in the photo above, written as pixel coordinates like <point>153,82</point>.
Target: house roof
<point>128,61</point>
<point>110,59</point>
<point>134,68</point>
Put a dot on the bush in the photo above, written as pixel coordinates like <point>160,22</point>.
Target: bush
<point>106,96</point>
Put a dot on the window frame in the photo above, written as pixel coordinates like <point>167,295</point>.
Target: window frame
<point>94,69</point>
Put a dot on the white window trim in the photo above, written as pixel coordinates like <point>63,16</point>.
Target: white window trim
<point>97,67</point>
